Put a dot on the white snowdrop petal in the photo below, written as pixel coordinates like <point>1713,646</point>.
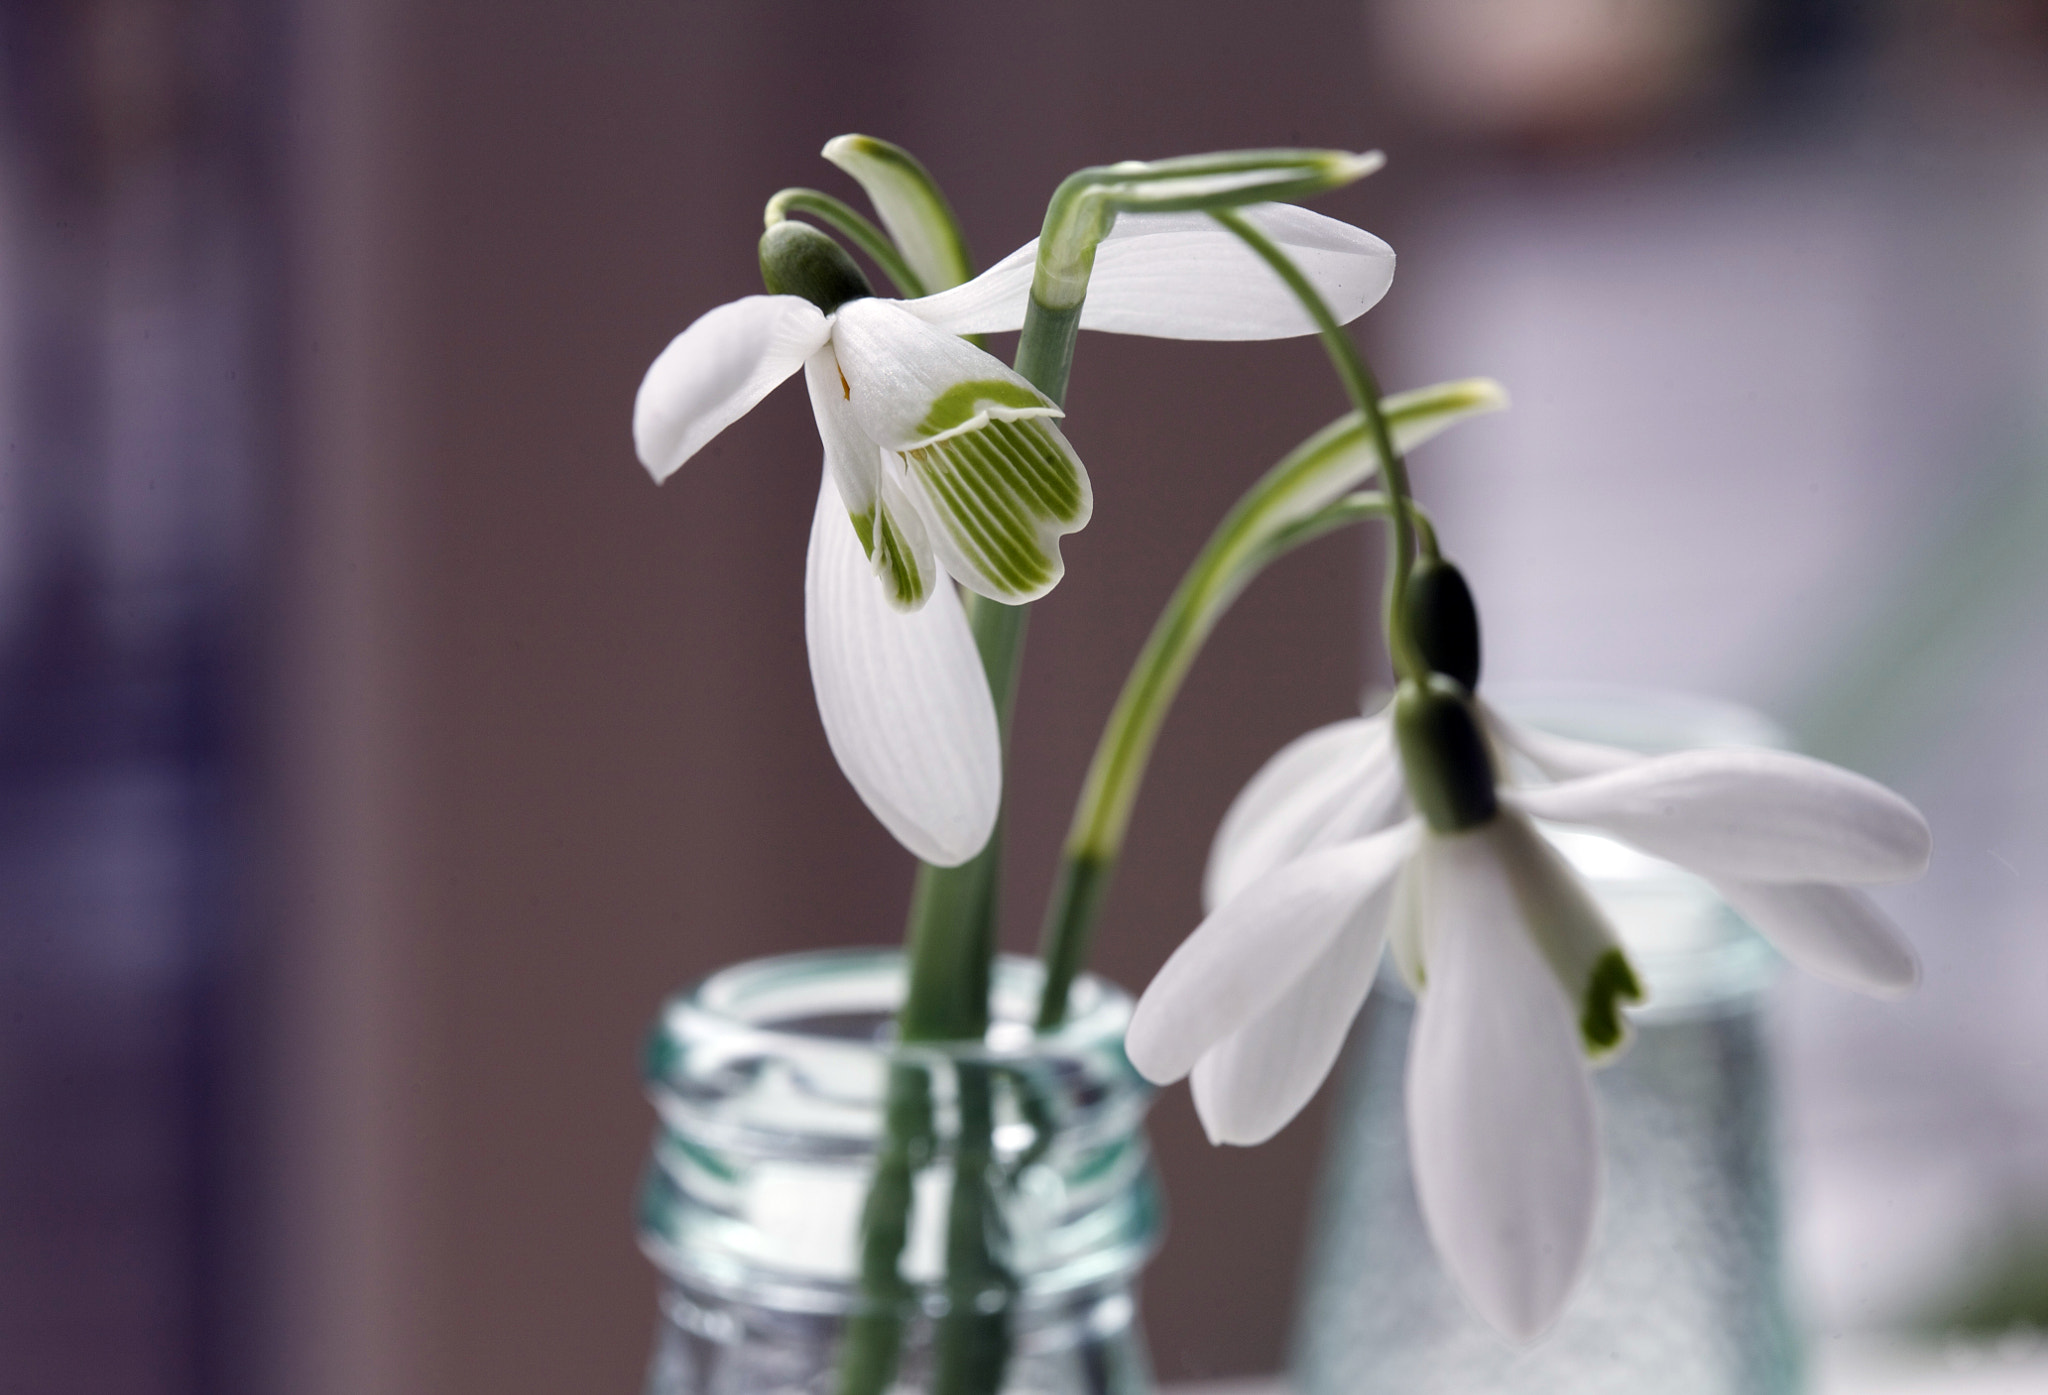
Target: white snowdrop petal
<point>902,555</point>
<point>1833,932</point>
<point>714,372</point>
<point>854,460</point>
<point>992,303</point>
<point>1243,957</point>
<point>1754,815</point>
<point>1186,276</point>
<point>1250,1084</point>
<point>1500,1114</point>
<point>1404,929</point>
<point>1571,932</point>
<point>904,701</point>
<point>1559,757</point>
<point>1281,809</point>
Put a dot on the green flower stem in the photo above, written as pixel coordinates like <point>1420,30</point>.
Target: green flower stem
<point>971,1342</point>
<point>952,943</point>
<point>950,947</point>
<point>849,221</point>
<point>1045,351</point>
<point>1364,391</point>
<point>952,935</point>
<point>873,1340</point>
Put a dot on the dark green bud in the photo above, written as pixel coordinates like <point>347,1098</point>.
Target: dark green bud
<point>1440,615</point>
<point>1444,754</point>
<point>797,259</point>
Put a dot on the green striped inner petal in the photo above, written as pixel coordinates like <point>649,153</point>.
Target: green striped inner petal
<point>1003,496</point>
<point>958,404</point>
<point>896,563</point>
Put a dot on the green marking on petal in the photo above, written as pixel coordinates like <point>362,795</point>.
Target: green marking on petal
<point>958,404</point>
<point>1004,494</point>
<point>864,529</point>
<point>1612,983</point>
<point>896,564</point>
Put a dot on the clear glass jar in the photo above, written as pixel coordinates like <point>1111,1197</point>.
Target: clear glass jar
<point>1683,1293</point>
<point>1018,1169</point>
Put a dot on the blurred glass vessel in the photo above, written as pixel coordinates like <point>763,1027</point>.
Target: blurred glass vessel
<point>1684,1293</point>
<point>781,1092</point>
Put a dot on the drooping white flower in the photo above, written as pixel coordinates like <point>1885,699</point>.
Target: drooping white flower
<point>940,460</point>
<point>1519,977</point>
<point>1343,781</point>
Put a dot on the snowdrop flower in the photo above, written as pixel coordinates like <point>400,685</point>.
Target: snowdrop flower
<point>1518,974</point>
<point>941,461</point>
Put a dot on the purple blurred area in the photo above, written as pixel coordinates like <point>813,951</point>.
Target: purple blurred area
<point>140,400</point>
<point>378,746</point>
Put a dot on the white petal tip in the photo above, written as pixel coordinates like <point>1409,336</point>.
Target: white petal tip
<point>1143,1048</point>
<point>1891,983</point>
<point>1524,1326</point>
<point>903,698</point>
<point>1223,1135</point>
<point>939,847</point>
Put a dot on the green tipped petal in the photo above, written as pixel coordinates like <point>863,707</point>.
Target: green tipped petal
<point>899,547</point>
<point>998,500</point>
<point>1611,984</point>
<point>963,402</point>
<point>910,205</point>
<point>1573,934</point>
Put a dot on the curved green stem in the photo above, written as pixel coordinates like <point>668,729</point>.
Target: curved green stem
<point>1087,203</point>
<point>1364,391</point>
<point>857,229</point>
<point>1295,502</point>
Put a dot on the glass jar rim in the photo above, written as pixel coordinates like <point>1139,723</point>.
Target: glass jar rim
<point>1651,720</point>
<point>758,998</point>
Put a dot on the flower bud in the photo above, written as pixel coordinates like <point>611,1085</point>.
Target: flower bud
<point>797,259</point>
<point>1440,615</point>
<point>1444,754</point>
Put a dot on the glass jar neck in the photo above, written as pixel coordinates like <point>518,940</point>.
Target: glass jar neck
<point>785,1102</point>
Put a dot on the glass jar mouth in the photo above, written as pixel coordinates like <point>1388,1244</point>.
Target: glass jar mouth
<point>782,1097</point>
<point>845,998</point>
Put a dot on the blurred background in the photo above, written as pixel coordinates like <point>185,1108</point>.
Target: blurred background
<point>378,746</point>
